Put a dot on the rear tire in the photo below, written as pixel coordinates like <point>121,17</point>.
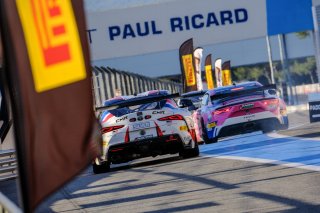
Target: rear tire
<point>205,137</point>
<point>286,123</point>
<point>190,153</point>
<point>102,168</point>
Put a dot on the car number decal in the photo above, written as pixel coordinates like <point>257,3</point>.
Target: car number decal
<point>141,125</point>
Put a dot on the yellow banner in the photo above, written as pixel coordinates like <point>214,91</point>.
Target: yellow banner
<point>189,70</point>
<point>210,82</point>
<point>53,43</point>
<point>226,78</point>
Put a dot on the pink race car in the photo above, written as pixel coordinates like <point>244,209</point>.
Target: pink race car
<point>241,108</point>
<point>192,101</point>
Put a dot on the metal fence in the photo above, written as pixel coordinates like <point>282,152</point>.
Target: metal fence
<point>8,165</point>
<point>302,91</point>
<point>108,83</point>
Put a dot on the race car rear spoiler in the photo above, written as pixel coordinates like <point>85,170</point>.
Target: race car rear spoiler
<point>138,100</point>
<point>193,94</point>
<point>231,93</point>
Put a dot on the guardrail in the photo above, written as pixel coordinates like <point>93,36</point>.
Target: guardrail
<point>8,165</point>
<point>108,83</point>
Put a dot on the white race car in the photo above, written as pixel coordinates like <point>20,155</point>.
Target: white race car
<point>148,124</point>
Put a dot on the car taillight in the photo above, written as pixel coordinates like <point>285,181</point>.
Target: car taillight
<point>271,104</point>
<point>127,137</point>
<point>110,128</point>
<point>171,118</point>
<point>237,88</point>
<point>147,117</point>
<point>159,132</point>
<point>223,110</point>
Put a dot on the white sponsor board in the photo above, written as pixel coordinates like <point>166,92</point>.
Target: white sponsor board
<point>165,26</point>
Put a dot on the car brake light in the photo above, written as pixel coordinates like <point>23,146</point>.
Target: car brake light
<point>159,132</point>
<point>271,102</point>
<point>237,88</point>
<point>171,118</point>
<point>127,137</point>
<point>110,128</point>
<point>223,110</point>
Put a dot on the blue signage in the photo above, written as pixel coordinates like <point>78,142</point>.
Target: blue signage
<point>287,16</point>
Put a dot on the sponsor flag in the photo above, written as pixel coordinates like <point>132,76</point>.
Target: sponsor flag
<point>226,74</point>
<point>208,69</point>
<point>187,66</point>
<point>218,72</point>
<point>197,54</point>
<point>46,60</point>
<point>1,52</point>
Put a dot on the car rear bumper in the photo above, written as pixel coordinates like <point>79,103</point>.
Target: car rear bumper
<point>267,124</point>
<point>124,152</point>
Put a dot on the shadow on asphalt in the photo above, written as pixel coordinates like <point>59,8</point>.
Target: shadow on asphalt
<point>310,130</point>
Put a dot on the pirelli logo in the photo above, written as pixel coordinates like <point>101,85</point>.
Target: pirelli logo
<point>53,42</point>
<point>189,70</point>
<point>209,78</point>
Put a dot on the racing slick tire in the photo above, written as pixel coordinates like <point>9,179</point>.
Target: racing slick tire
<point>102,168</point>
<point>286,123</point>
<point>205,137</point>
<point>190,153</point>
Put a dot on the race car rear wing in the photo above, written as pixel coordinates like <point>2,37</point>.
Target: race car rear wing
<point>231,93</point>
<point>138,100</point>
<point>193,94</point>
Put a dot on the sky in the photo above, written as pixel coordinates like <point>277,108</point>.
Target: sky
<point>167,62</point>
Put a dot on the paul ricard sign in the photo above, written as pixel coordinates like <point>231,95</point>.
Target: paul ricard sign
<point>165,26</point>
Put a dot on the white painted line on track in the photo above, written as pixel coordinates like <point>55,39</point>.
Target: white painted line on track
<point>256,147</point>
<point>258,160</point>
<point>296,126</point>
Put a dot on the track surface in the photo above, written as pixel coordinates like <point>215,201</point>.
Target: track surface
<point>277,172</point>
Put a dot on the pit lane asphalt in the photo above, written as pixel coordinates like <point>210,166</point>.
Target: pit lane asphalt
<point>277,172</point>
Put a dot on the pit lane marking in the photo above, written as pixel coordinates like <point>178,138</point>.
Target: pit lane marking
<point>271,148</point>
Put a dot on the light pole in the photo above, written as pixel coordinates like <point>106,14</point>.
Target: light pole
<point>270,59</point>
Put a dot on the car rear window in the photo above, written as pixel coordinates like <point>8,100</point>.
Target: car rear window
<point>233,89</point>
<point>138,108</point>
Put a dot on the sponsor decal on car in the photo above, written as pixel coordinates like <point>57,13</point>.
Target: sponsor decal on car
<point>121,119</point>
<point>183,128</point>
<point>283,112</point>
<point>249,117</point>
<point>211,125</point>
<point>158,112</point>
<point>247,106</point>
